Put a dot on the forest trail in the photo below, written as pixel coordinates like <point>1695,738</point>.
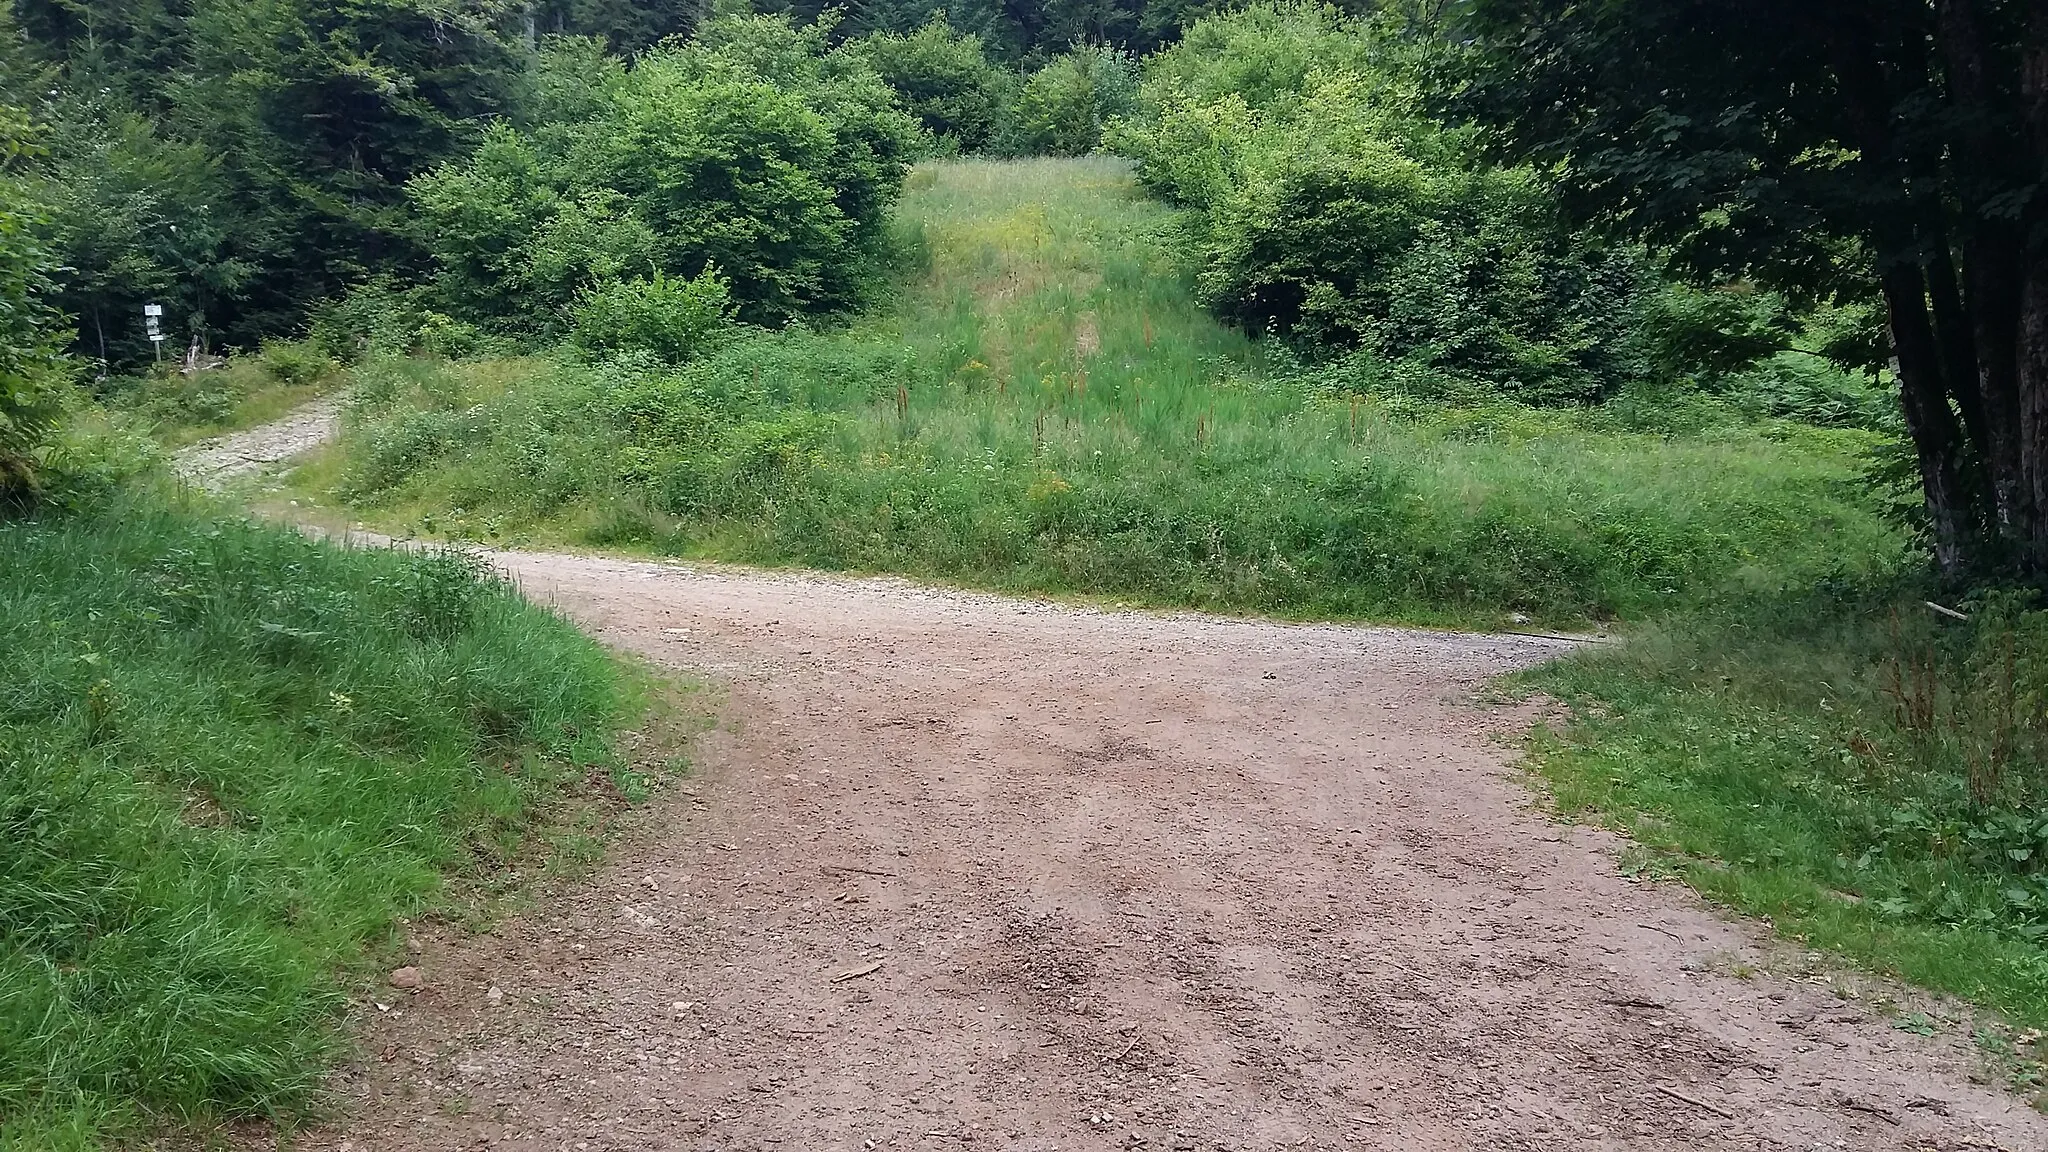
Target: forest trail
<point>958,870</point>
<point>215,461</point>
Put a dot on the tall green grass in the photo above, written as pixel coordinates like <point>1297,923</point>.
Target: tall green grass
<point>1048,408</point>
<point>231,758</point>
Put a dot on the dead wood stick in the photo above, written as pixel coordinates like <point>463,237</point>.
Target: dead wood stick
<point>1695,1101</point>
<point>829,869</point>
<point>1884,1114</point>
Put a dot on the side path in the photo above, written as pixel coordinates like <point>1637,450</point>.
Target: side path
<point>213,462</point>
<point>963,871</point>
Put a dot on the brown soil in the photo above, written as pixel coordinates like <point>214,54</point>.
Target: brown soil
<point>214,462</point>
<point>963,871</point>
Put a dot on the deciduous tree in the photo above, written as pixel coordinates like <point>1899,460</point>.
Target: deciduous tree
<point>1828,148</point>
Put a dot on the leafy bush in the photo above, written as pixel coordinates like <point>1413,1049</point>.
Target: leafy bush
<point>380,316</point>
<point>1804,387</point>
<point>293,363</point>
<point>1267,54</point>
<point>1324,206</point>
<point>945,79</point>
<point>673,319</point>
<point>750,149</point>
<point>1062,109</point>
<point>31,379</point>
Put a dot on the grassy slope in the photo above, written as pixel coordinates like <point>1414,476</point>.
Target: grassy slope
<point>231,759</point>
<point>246,390</point>
<point>1046,407</point>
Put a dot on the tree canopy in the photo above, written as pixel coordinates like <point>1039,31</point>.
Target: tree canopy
<point>1830,149</point>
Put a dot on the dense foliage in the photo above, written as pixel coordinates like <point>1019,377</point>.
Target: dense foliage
<point>238,162</point>
<point>1327,207</point>
<point>30,375</point>
<point>946,80</point>
<point>1020,32</point>
<point>1844,148</point>
<point>244,165</point>
<point>1064,106</point>
<point>750,151</point>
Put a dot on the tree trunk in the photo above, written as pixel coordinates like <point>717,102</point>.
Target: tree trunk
<point>2031,375</point>
<point>1955,336</point>
<point>1901,245</point>
<point>2033,406</point>
<point>1991,273</point>
<point>1994,276</point>
<point>1922,395</point>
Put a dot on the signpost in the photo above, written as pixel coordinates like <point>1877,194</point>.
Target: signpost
<point>152,317</point>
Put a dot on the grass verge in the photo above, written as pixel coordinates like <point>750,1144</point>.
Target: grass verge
<point>1870,779</point>
<point>231,759</point>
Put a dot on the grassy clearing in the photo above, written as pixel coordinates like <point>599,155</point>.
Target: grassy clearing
<point>1047,408</point>
<point>231,760</point>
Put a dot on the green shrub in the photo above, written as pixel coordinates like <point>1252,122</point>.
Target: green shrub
<point>380,317</point>
<point>1325,207</point>
<point>750,149</point>
<point>1062,109</point>
<point>293,363</point>
<point>673,319</point>
<point>478,218</point>
<point>443,335</point>
<point>231,759</point>
<point>32,379</point>
<point>943,78</point>
<point>1267,54</point>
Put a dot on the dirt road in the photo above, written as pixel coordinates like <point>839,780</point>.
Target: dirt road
<point>965,872</point>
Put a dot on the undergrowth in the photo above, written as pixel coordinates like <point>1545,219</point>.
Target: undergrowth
<point>223,395</point>
<point>231,759</point>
